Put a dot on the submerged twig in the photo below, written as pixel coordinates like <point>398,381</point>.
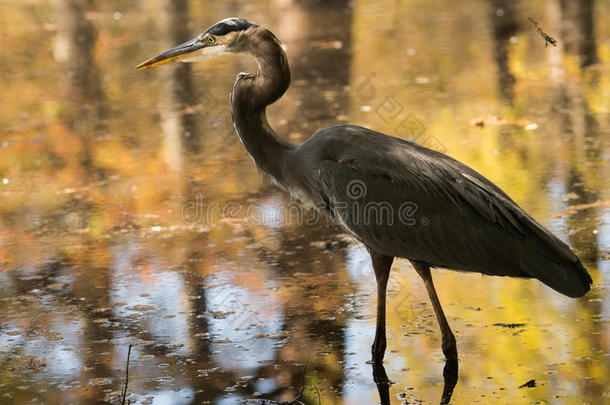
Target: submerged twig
<point>318,392</point>
<point>547,38</point>
<point>302,384</point>
<point>126,376</point>
<point>296,400</point>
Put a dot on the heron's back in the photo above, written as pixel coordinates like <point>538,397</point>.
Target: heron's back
<point>404,200</point>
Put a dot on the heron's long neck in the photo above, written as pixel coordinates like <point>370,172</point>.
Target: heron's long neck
<point>252,94</point>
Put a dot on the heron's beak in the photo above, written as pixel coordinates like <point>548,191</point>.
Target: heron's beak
<point>183,52</point>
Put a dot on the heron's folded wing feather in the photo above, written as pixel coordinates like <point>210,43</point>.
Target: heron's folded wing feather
<point>436,174</point>
<point>474,225</point>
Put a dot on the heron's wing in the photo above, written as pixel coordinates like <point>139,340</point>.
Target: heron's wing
<point>459,219</point>
<point>423,217</point>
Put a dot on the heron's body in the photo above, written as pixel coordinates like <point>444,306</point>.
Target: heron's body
<point>398,198</point>
<point>425,206</point>
<point>458,219</point>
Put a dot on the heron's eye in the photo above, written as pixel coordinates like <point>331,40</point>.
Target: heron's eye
<point>211,39</point>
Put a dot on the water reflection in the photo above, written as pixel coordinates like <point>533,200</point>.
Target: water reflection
<point>503,17</point>
<point>577,30</point>
<point>83,94</point>
<point>181,136</point>
<point>578,127</point>
<point>94,253</point>
<point>450,378</point>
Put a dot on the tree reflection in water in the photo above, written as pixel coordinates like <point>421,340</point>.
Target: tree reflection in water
<point>94,253</point>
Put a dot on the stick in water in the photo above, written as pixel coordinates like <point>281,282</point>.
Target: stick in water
<point>547,39</point>
<point>126,375</point>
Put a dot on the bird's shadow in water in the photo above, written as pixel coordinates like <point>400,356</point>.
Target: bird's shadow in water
<point>450,375</point>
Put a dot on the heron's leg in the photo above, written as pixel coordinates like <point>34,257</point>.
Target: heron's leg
<point>381,265</point>
<point>383,383</point>
<point>449,345</point>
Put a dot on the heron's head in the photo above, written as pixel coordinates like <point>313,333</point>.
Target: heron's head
<point>225,37</point>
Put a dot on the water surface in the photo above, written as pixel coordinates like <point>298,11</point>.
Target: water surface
<point>131,215</point>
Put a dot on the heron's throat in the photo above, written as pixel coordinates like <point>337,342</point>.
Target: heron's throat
<point>252,94</point>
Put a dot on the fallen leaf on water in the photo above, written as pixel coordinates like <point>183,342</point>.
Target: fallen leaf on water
<point>30,278</point>
<point>579,207</point>
<point>99,382</point>
<point>509,325</point>
<point>327,44</point>
<point>34,363</point>
<point>490,120</point>
<point>141,307</point>
<point>496,121</point>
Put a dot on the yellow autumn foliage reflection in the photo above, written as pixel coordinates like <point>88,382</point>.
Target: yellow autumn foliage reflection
<point>98,162</point>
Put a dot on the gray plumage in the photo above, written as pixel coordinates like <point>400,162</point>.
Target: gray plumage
<point>472,224</point>
<point>457,218</point>
<point>398,198</point>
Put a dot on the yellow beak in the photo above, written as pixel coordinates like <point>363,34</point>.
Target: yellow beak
<point>176,54</point>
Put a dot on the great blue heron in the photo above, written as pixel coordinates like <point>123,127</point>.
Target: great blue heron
<point>427,207</point>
